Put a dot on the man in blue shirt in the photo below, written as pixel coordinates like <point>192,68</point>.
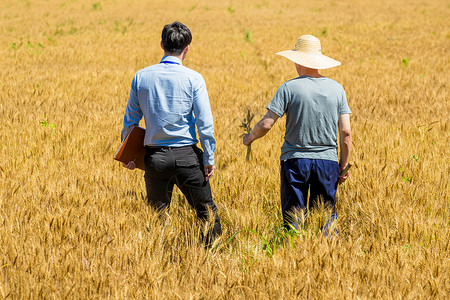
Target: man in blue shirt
<point>173,101</point>
<point>315,107</point>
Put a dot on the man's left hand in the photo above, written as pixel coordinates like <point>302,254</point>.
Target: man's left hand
<point>209,172</point>
<point>131,165</point>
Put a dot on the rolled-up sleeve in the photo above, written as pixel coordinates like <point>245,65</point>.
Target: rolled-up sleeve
<point>133,112</point>
<point>204,121</point>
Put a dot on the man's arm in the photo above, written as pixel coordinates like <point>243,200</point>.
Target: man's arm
<point>345,141</point>
<point>133,115</point>
<point>261,128</point>
<point>205,126</point>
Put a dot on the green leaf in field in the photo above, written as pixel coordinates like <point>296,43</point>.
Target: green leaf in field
<point>231,9</point>
<point>119,27</point>
<point>405,177</point>
<point>248,36</point>
<point>96,6</point>
<point>405,61</point>
<point>44,122</point>
<point>14,46</point>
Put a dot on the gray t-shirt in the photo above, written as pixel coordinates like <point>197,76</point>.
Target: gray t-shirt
<point>312,107</point>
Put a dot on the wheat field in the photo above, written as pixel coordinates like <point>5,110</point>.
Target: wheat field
<point>74,223</point>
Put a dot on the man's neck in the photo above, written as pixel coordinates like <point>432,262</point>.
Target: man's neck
<point>312,74</point>
<point>304,71</point>
<point>180,57</point>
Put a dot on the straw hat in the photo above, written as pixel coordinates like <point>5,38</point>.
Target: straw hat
<point>308,53</point>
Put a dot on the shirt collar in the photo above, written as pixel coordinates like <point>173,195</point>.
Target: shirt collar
<point>171,60</point>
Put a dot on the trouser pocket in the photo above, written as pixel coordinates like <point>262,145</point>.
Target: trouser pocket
<point>186,157</point>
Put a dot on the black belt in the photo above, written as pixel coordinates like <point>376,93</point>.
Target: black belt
<point>166,147</point>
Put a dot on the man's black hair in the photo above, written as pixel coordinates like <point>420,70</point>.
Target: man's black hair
<point>175,37</point>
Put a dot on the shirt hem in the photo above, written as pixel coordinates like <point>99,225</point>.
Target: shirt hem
<point>309,156</point>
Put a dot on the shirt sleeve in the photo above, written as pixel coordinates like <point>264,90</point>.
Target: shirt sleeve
<point>343,105</point>
<point>133,113</point>
<point>280,101</point>
<point>204,122</point>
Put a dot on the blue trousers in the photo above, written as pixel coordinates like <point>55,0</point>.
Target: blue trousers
<point>298,175</point>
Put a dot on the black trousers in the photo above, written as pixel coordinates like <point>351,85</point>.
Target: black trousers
<point>183,166</point>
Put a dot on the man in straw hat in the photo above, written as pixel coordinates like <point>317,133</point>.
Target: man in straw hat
<point>315,106</point>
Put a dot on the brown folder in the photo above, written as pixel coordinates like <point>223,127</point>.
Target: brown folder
<point>132,148</point>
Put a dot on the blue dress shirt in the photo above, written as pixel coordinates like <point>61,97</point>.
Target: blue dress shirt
<point>173,99</point>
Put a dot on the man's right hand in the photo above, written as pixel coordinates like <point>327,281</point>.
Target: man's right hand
<point>209,172</point>
<point>261,128</point>
<point>131,165</point>
<point>246,140</point>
